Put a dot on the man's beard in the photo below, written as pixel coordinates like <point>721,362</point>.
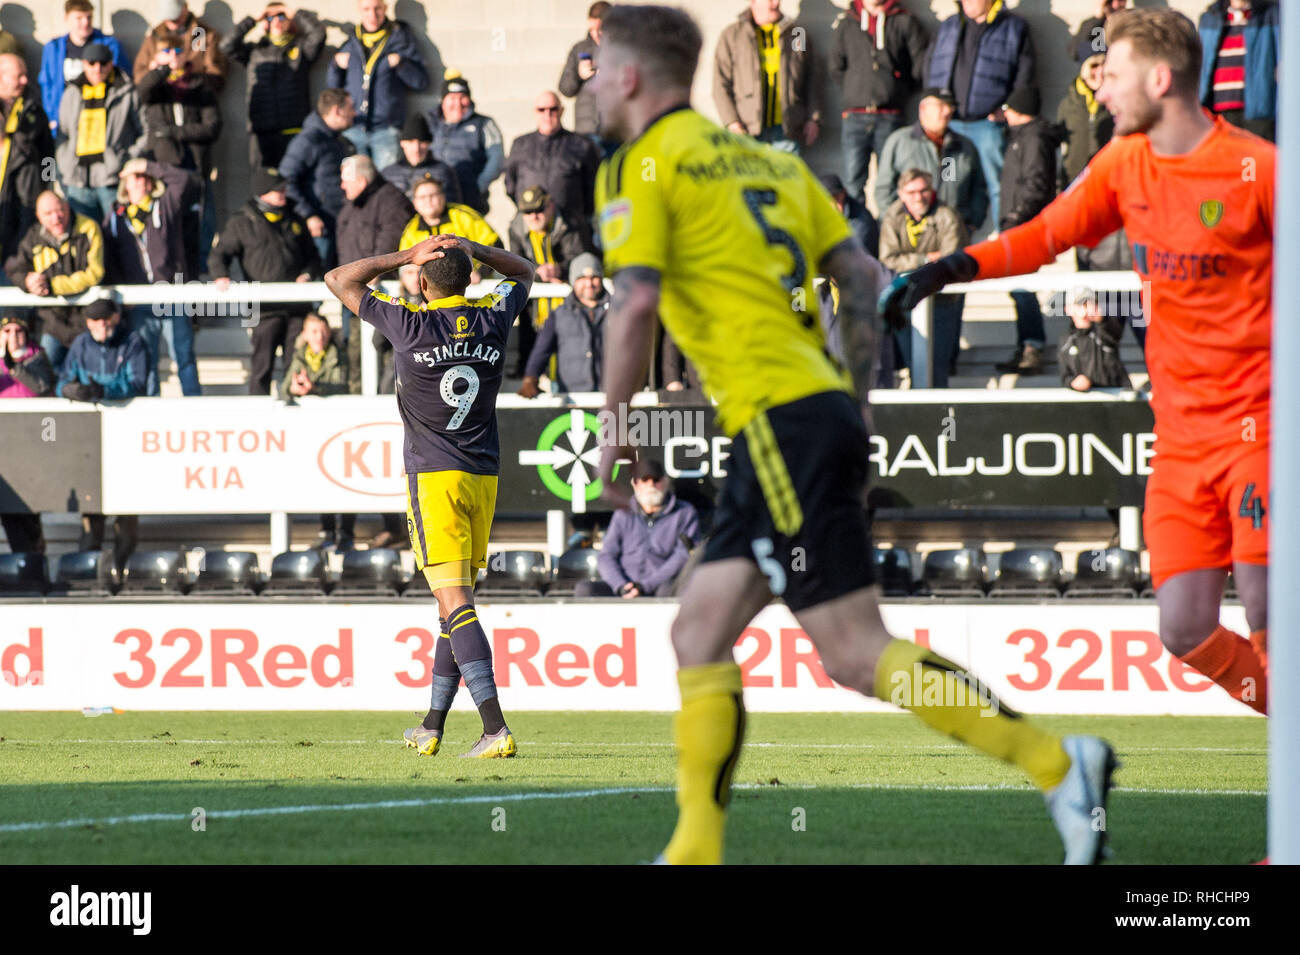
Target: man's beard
<point>650,498</point>
<point>1138,120</point>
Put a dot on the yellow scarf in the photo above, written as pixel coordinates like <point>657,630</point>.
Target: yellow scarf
<point>273,217</point>
<point>373,44</point>
<point>1088,96</point>
<point>138,215</point>
<point>769,47</point>
<point>11,127</point>
<point>284,39</point>
<point>92,124</point>
<point>916,229</point>
<point>542,255</point>
<point>314,359</point>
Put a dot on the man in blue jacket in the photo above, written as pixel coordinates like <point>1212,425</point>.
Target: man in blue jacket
<point>311,168</point>
<point>106,361</point>
<point>467,141</point>
<point>644,549</point>
<point>61,57</point>
<point>981,55</point>
<point>1239,42</point>
<point>377,64</point>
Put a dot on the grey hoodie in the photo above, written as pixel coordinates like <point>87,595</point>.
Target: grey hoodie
<point>123,139</point>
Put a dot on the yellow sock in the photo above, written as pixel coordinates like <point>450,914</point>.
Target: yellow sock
<point>709,731</point>
<point>935,690</point>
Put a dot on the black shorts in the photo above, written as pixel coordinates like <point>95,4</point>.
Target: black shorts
<point>793,500</point>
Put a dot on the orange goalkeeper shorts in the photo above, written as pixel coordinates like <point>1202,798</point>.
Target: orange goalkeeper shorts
<point>1207,507</point>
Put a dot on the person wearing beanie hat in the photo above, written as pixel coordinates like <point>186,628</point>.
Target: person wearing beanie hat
<point>279,76</point>
<point>417,161</point>
<point>467,141</point>
<point>63,58</point>
<point>574,334</point>
<point>205,58</point>
<point>379,64</point>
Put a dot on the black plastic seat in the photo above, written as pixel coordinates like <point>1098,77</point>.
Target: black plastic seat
<point>296,573</point>
<point>228,572</point>
<point>23,575</point>
<point>1028,572</point>
<point>574,566</point>
<point>155,572</point>
<point>371,573</point>
<point>894,570</point>
<point>1113,572</point>
<point>515,573</point>
<point>90,573</point>
<point>961,572</point>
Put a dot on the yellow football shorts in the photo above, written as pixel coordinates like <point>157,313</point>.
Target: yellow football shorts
<point>449,516</point>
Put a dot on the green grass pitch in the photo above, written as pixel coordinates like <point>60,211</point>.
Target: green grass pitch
<point>593,788</point>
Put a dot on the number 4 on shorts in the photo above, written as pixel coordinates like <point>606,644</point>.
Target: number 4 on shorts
<point>1252,507</point>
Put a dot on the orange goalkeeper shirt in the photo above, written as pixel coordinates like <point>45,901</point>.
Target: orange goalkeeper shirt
<point>1201,229</point>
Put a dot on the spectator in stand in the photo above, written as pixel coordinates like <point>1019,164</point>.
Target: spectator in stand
<point>417,161</point>
<point>26,143</point>
<point>564,164</point>
<point>63,57</point>
<point>1093,29</point>
<point>1028,185</point>
<point>272,244</point>
<point>932,145</point>
<point>182,120</point>
<point>107,362</point>
<point>90,154</point>
<point>279,77</point>
<point>143,244</point>
<point>574,335</point>
<point>9,43</point>
<point>1241,40</point>
<point>981,54</point>
<point>434,215</point>
<point>25,372</point>
<point>467,142</point>
<point>1089,352</point>
<point>377,64</point>
<point>311,168</point>
<point>862,222</point>
<point>579,67</point>
<point>200,44</point>
<point>648,542</point>
<point>916,229</point>
<point>370,223</point>
<point>877,52</point>
<point>545,238</point>
<point>765,84</point>
<point>61,254</point>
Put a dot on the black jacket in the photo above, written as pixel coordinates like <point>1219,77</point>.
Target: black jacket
<point>401,174</point>
<point>157,254</point>
<point>571,84</point>
<point>279,77</point>
<point>1094,352</point>
<point>870,73</point>
<point>71,266</point>
<point>267,251</point>
<point>372,223</point>
<point>311,165</point>
<point>564,164</point>
<point>183,141</point>
<point>30,145</point>
<point>1029,170</point>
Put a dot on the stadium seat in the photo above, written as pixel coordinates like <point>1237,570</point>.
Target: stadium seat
<point>155,572</point>
<point>515,573</point>
<point>575,565</point>
<point>1028,572</point>
<point>89,573</point>
<point>371,573</point>
<point>954,573</point>
<point>296,573</point>
<point>1114,572</point>
<point>233,572</point>
<point>23,575</point>
<point>894,570</point>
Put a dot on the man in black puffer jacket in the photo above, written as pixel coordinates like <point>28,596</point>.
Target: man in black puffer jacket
<point>311,167</point>
<point>272,244</point>
<point>279,77</point>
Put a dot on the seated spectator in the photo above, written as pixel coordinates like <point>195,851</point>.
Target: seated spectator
<point>25,372</point>
<point>417,160</point>
<point>434,215</point>
<point>1241,41</point>
<point>100,126</point>
<point>311,168</point>
<point>561,162</point>
<point>200,47</point>
<point>25,133</point>
<point>469,143</point>
<point>575,334</point>
<point>579,68</point>
<point>378,64</point>
<point>916,229</point>
<point>1028,185</point>
<point>279,77</point>
<point>862,222</point>
<point>1089,352</point>
<point>272,244</point>
<point>648,542</point>
<point>930,144</point>
<point>61,254</point>
<point>545,238</point>
<point>63,58</point>
<point>143,244</point>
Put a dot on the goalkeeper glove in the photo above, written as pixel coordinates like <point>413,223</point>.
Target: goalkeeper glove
<point>76,391</point>
<point>911,288</point>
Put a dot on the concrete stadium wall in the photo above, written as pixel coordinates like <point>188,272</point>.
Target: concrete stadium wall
<point>510,50</point>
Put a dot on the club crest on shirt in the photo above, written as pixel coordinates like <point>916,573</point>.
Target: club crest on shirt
<point>1211,213</point>
<point>615,223</point>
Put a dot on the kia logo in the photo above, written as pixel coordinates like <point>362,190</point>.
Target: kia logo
<point>365,459</point>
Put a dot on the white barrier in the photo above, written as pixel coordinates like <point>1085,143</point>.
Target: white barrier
<point>1061,658</point>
